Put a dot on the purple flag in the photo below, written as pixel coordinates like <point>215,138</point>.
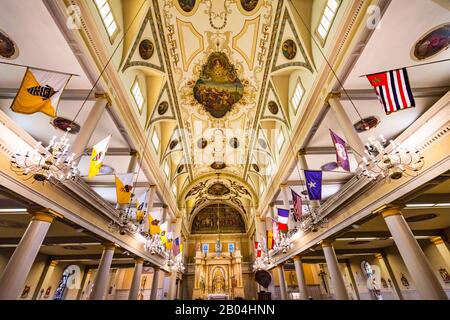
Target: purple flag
<point>297,201</point>
<point>341,152</point>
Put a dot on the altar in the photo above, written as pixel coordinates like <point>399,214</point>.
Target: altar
<point>218,276</point>
<point>218,296</point>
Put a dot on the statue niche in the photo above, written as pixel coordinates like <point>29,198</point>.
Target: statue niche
<point>218,88</point>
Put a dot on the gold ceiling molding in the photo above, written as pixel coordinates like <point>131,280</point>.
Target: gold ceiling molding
<point>164,102</point>
<point>187,59</point>
<point>248,24</point>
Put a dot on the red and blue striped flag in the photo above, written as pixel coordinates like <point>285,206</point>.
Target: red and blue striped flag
<point>393,89</point>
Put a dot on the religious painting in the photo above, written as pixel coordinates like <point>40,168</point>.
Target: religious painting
<point>173,144</point>
<point>65,124</point>
<point>7,47</point>
<point>249,5</point>
<point>47,292</point>
<point>404,280</point>
<point>25,292</point>
<point>163,107</point>
<point>434,42</point>
<point>146,49</point>
<point>218,87</point>
<point>187,5</point>
<point>289,49</point>
<point>218,165</point>
<point>445,275</point>
<point>218,190</point>
<point>218,219</point>
<point>273,107</point>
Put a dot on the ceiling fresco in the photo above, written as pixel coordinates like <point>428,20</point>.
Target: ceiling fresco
<point>217,52</point>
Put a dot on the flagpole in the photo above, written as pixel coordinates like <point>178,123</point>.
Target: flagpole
<point>41,69</point>
<point>407,67</point>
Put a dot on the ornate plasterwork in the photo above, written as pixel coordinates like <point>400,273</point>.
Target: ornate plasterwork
<point>250,27</point>
<point>187,57</point>
<point>128,63</point>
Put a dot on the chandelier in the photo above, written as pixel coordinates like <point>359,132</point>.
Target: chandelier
<point>393,164</point>
<point>284,243</point>
<point>154,245</point>
<point>261,263</point>
<point>125,223</point>
<point>178,265</point>
<point>43,164</point>
<point>312,222</point>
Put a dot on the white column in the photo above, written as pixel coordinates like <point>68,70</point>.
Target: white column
<point>284,194</point>
<point>282,281</point>
<point>136,282</point>
<point>133,162</point>
<point>340,291</point>
<point>427,284</point>
<point>300,278</point>
<point>82,140</point>
<point>351,136</point>
<point>155,283</point>
<point>386,267</point>
<point>102,275</point>
<point>442,248</point>
<point>172,291</point>
<point>19,265</point>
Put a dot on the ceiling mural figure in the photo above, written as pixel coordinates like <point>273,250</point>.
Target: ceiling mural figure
<point>249,5</point>
<point>187,5</point>
<point>217,217</point>
<point>218,88</point>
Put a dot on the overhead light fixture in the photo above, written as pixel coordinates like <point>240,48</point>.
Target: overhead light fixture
<point>43,164</point>
<point>13,210</point>
<point>419,205</point>
<point>393,164</point>
<point>442,204</point>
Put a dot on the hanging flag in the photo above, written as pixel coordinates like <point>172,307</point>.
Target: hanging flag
<point>164,233</point>
<point>314,184</point>
<point>154,227</point>
<point>270,241</point>
<point>283,216</point>
<point>341,151</point>
<point>97,156</point>
<point>141,207</point>
<point>275,232</point>
<point>258,249</point>
<point>393,89</point>
<point>123,188</point>
<point>297,201</point>
<point>40,91</point>
<point>176,247</point>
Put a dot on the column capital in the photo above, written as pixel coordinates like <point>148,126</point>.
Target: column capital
<point>46,215</point>
<point>333,95</point>
<point>390,210</point>
<point>301,152</point>
<point>109,245</point>
<point>165,206</point>
<point>53,263</point>
<point>437,240</point>
<point>379,256</point>
<point>297,258</point>
<point>283,185</point>
<point>327,243</point>
<point>280,265</point>
<point>138,260</point>
<point>156,268</point>
<point>103,95</point>
<point>152,186</point>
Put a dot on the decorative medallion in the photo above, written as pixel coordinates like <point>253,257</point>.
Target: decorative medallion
<point>218,88</point>
<point>173,144</point>
<point>202,143</point>
<point>234,143</point>
<point>421,217</point>
<point>218,165</point>
<point>8,49</point>
<point>218,189</point>
<point>255,167</point>
<point>432,43</point>
<point>180,168</point>
<point>249,5</point>
<point>187,5</point>
<point>262,143</point>
<point>146,49</point>
<point>64,124</point>
<point>273,107</point>
<point>105,169</point>
<point>163,107</point>
<point>289,49</point>
<point>366,124</point>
